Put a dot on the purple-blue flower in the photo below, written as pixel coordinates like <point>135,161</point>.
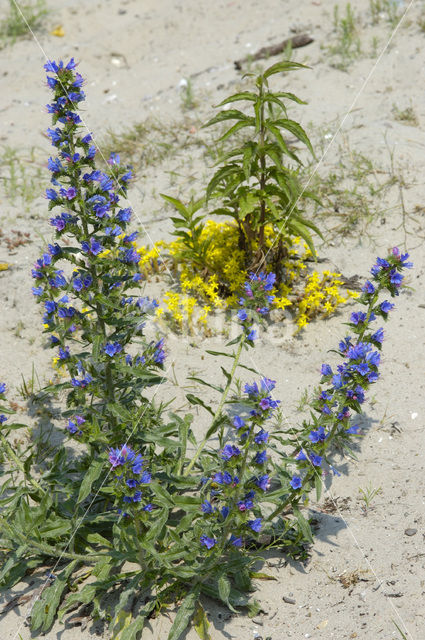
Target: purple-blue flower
<point>207,542</point>
<point>296,482</point>
<point>255,524</point>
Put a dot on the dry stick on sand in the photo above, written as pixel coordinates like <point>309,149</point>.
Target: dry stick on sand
<point>295,42</point>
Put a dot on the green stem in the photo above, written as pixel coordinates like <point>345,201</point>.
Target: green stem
<point>54,551</point>
<point>18,462</point>
<point>262,174</point>
<point>139,531</point>
<point>220,406</point>
<point>341,404</point>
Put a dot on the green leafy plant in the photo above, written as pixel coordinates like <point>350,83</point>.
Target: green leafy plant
<point>347,46</point>
<point>255,186</point>
<point>14,26</point>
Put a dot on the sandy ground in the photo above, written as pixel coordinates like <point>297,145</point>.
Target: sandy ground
<point>134,55</point>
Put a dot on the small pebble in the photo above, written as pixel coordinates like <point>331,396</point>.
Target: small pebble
<point>258,621</point>
<point>288,600</point>
<point>410,532</point>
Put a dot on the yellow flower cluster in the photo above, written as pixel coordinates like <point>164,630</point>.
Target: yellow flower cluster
<point>217,285</point>
<point>150,260</point>
<point>321,296</point>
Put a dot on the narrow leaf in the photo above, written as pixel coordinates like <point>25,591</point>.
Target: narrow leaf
<point>185,613</point>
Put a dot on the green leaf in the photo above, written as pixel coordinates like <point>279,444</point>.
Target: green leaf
<point>243,95</point>
<point>185,613</point>
<point>303,524</point>
<point>91,476</point>
<point>224,589</point>
<point>13,560</point>
<point>285,65</point>
<point>85,595</point>
<point>206,384</point>
<point>274,130</point>
<point>177,204</point>
<point>236,127</point>
<point>97,345</point>
<point>130,632</point>
<point>44,609</point>
<point>318,483</point>
<point>195,400</point>
<point>289,96</point>
<point>254,609</point>
<point>201,624</point>
<point>247,204</point>
<point>229,114</point>
<point>119,411</point>
<point>258,575</point>
<point>243,580</point>
<point>296,129</point>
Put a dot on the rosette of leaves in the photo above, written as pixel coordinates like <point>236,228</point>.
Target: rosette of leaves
<point>257,180</point>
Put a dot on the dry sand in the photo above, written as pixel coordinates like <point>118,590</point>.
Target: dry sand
<point>134,56</point>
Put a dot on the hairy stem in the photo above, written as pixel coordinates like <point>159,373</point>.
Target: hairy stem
<point>220,406</point>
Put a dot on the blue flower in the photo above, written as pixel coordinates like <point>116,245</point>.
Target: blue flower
<point>301,456</point>
<point>51,194</point>
<point>368,287</point>
<point>353,430</point>
<point>386,306</point>
<point>238,422</point>
<point>315,459</point>
<point>121,455</point>
<point>378,336</point>
<point>137,464</point>
<point>263,482</point>
<point>235,540</point>
<point>337,381</point>
<point>326,370</point>
<point>396,278</point>
<point>207,542</point>
<point>260,457</point>
<point>252,335</point>
<point>2,387</point>
<point>296,482</point>
<point>112,348</point>
<point>317,436</point>
<point>229,451</point>
<point>207,507</point>
<point>261,437</point>
<point>358,317</point>
<point>145,478</point>
<point>2,418</point>
<point>224,512</point>
<point>255,524</point>
<point>242,315</point>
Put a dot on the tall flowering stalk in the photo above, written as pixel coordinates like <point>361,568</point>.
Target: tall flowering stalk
<point>88,280</point>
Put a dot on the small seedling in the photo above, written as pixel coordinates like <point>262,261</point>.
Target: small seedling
<point>406,116</point>
<point>367,495</point>
<point>188,100</point>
